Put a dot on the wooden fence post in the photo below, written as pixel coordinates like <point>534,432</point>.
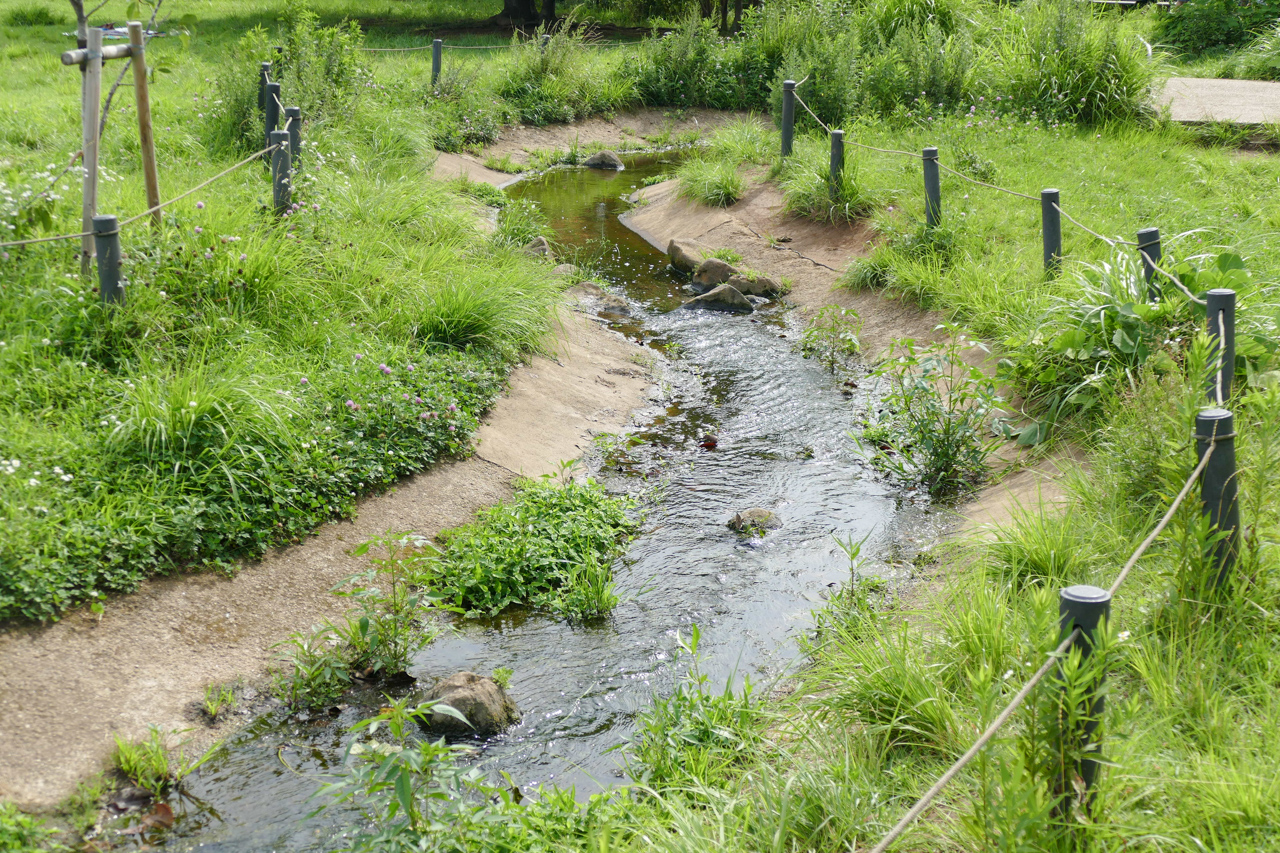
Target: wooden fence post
<point>932,189</point>
<point>1051,225</point>
<point>788,115</point>
<point>146,136</point>
<point>91,105</point>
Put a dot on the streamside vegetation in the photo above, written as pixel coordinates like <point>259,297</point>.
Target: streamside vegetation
<point>263,375</point>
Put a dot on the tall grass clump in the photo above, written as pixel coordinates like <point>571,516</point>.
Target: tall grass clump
<point>809,188</point>
<point>711,181</point>
<point>1261,61</point>
<point>563,80</point>
<point>1072,63</point>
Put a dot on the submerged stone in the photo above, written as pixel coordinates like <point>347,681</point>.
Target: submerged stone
<point>722,298</point>
<point>479,698</point>
<point>755,519</point>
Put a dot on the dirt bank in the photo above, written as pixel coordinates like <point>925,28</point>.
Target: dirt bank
<point>813,256</point>
<point>67,688</point>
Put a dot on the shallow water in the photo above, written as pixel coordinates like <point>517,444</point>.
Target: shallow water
<point>780,422</point>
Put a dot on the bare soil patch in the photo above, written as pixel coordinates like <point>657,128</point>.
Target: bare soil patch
<point>634,129</point>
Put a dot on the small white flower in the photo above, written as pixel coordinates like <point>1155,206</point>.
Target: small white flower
<point>1122,636</point>
<point>192,404</point>
<point>66,478</point>
<point>33,482</point>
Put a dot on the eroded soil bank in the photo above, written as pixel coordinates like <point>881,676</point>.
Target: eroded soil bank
<point>65,689</point>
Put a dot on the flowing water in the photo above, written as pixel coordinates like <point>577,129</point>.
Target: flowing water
<point>780,424</point>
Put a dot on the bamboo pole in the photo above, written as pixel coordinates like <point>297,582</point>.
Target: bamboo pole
<point>146,136</point>
<point>90,105</point>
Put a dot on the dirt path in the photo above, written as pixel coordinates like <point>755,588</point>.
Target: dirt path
<point>813,256</point>
<point>1195,100</point>
<point>67,688</point>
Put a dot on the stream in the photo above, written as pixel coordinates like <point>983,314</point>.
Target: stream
<point>780,423</point>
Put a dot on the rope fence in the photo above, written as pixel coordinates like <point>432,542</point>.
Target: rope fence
<point>1049,199</point>
<point>146,212</point>
<point>1083,608</point>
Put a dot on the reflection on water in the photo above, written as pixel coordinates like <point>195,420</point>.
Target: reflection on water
<point>779,422</point>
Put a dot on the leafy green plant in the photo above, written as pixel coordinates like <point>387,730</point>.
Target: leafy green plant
<point>390,623</point>
<point>695,733</point>
<point>832,336</point>
<point>502,675</point>
<point>940,408</point>
<point>315,668</point>
<point>21,833</point>
<point>550,546</point>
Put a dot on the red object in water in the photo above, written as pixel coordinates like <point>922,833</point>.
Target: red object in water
<point>708,442</point>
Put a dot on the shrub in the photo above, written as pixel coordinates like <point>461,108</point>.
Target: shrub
<point>693,66</point>
<point>321,70</point>
<point>939,411</point>
<point>32,15</point>
<point>1197,25</point>
<point>561,80</point>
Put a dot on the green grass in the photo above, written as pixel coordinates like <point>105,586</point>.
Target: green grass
<point>263,374</point>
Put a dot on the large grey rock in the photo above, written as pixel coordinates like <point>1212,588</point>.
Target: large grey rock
<point>755,520</point>
<point>711,273</point>
<point>685,255</point>
<point>758,286</point>
<point>604,160</point>
<point>566,270</point>
<point>479,698</point>
<point>539,247</point>
<point>722,298</point>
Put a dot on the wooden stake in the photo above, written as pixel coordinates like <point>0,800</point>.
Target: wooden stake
<point>90,105</point>
<point>146,137</point>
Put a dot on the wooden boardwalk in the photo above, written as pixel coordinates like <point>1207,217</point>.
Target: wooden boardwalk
<point>1196,99</point>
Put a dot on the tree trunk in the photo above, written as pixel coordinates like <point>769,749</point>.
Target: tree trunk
<point>724,17</point>
<point>548,11</point>
<point>737,15</point>
<point>707,8</point>
<point>519,11</point>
